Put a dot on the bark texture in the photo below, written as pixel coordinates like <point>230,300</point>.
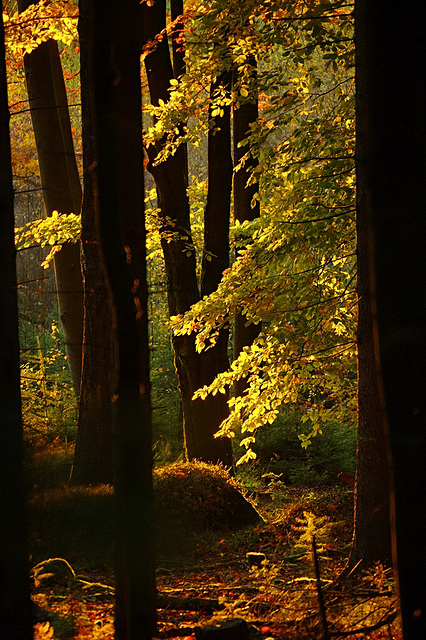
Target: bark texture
<point>392,175</point>
<point>93,449</point>
<point>372,536</point>
<point>115,93</point>
<point>15,603</point>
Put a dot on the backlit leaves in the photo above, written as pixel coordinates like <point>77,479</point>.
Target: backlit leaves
<point>40,22</point>
<point>295,272</point>
<point>53,231</point>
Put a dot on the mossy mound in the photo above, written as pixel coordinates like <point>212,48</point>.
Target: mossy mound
<point>53,572</point>
<point>201,496</point>
<point>193,503</point>
<point>73,522</point>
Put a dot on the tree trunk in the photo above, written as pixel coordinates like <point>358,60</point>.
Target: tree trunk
<point>15,603</point>
<point>372,537</point>
<point>115,92</point>
<point>243,116</point>
<point>178,44</point>
<point>93,449</point>
<point>60,182</point>
<point>393,180</point>
<point>201,418</point>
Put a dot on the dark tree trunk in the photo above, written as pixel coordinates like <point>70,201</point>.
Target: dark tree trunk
<point>178,43</point>
<point>178,55</point>
<point>15,603</point>
<point>201,418</point>
<point>372,537</point>
<point>216,258</point>
<point>218,205</point>
<point>392,176</point>
<point>93,449</point>
<point>60,182</point>
<point>115,91</point>
<point>243,116</point>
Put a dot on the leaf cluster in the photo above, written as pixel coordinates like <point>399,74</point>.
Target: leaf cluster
<point>52,231</point>
<point>41,22</point>
<point>295,270</point>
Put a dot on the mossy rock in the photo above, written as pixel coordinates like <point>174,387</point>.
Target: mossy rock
<point>201,496</point>
<point>53,572</point>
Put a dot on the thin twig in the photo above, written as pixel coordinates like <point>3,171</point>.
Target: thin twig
<point>344,634</point>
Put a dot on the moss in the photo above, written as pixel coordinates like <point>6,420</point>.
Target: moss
<point>191,500</point>
<point>202,496</point>
<point>53,571</point>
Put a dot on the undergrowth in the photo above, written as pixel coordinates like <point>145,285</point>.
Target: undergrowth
<point>201,553</point>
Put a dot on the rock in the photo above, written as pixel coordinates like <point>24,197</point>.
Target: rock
<point>54,571</point>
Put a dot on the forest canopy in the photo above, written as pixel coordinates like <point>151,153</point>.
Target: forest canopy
<point>293,267</point>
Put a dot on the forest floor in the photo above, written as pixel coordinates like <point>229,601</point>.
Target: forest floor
<point>206,577</point>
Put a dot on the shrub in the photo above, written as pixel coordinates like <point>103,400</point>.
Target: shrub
<point>279,450</point>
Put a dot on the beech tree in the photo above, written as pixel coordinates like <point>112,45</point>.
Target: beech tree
<point>60,182</point>
<point>15,603</point>
<point>295,267</point>
<point>201,419</point>
<point>392,178</point>
<point>372,535</point>
<point>111,38</point>
<point>90,361</point>
<point>93,454</point>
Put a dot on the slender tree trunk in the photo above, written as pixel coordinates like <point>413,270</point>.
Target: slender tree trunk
<point>60,182</point>
<point>15,604</point>
<point>115,92</point>
<point>218,205</point>
<point>216,256</point>
<point>178,55</point>
<point>392,176</point>
<point>201,418</point>
<point>243,116</point>
<point>178,42</point>
<point>93,449</point>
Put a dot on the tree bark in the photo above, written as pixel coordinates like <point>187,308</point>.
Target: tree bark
<point>115,91</point>
<point>60,182</point>
<point>372,536</point>
<point>93,449</point>
<point>178,44</point>
<point>201,418</point>
<point>15,603</point>
<point>243,116</point>
<point>393,180</point>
